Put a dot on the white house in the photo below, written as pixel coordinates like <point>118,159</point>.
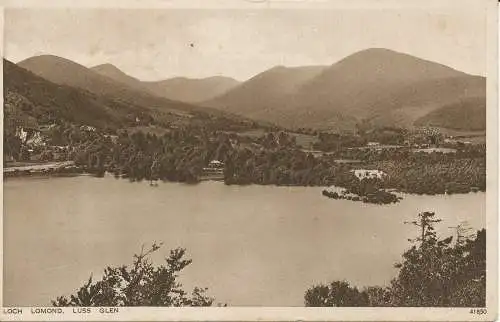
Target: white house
<point>87,128</point>
<point>368,174</point>
<point>215,164</point>
<point>214,171</point>
<point>30,136</point>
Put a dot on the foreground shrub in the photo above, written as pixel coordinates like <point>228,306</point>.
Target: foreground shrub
<point>140,285</point>
<point>433,273</point>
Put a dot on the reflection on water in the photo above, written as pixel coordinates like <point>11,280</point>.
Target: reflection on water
<point>252,245</point>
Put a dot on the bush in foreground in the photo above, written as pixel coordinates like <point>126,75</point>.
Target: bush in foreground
<point>140,285</point>
<point>433,273</point>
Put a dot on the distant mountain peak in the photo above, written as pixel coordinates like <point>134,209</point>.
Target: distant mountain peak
<point>46,56</point>
<point>374,82</point>
<point>220,77</point>
<point>393,60</point>
<point>113,72</point>
<point>197,79</point>
<point>296,68</point>
<point>192,89</point>
<point>107,66</point>
<point>379,50</point>
<point>47,59</point>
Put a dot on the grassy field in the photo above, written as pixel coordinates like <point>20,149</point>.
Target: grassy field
<point>158,131</point>
<point>303,140</point>
<point>473,137</point>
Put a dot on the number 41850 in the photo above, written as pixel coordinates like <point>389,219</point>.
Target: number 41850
<point>478,311</point>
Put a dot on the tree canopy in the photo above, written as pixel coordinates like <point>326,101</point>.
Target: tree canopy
<point>142,284</point>
<point>434,272</point>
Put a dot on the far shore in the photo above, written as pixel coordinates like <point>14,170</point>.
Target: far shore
<point>37,166</point>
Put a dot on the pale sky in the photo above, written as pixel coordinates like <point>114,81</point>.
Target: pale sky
<point>156,44</point>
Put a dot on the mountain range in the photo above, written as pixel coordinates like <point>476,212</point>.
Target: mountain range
<point>66,72</point>
<point>30,100</point>
<point>376,86</point>
<point>381,86</point>
<point>179,88</point>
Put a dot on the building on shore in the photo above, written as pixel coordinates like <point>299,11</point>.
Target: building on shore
<point>213,171</point>
<point>368,174</point>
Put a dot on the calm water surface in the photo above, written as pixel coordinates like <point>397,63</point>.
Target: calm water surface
<point>253,245</point>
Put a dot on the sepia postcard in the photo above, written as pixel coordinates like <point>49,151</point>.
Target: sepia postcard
<point>242,160</point>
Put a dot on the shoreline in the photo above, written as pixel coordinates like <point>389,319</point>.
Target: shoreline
<point>62,168</point>
<point>330,188</point>
<point>38,166</point>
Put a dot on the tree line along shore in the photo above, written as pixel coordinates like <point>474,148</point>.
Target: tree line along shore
<point>272,157</point>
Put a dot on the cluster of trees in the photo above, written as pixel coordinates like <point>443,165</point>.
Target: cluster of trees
<point>379,196</point>
<point>282,166</point>
<point>434,272</point>
<point>222,122</point>
<point>367,190</point>
<point>181,153</point>
<point>471,150</point>
<point>12,146</point>
<point>141,284</point>
<point>386,135</point>
<point>423,172</point>
<point>336,142</point>
<point>439,177</point>
<point>403,153</point>
<point>178,155</point>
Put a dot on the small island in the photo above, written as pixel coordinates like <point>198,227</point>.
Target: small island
<point>380,196</point>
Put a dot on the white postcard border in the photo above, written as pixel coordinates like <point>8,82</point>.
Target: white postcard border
<point>298,313</point>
